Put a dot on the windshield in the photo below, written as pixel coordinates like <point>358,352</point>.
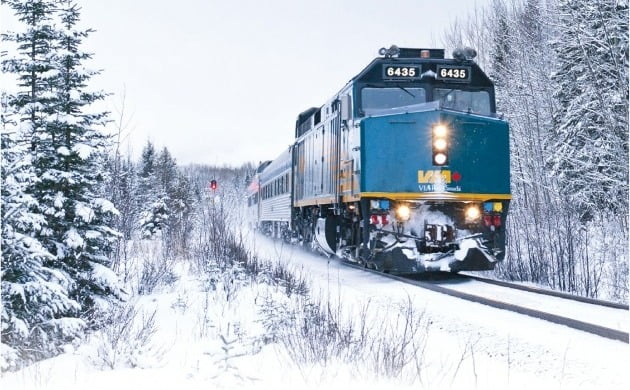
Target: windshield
<point>477,102</point>
<point>383,98</point>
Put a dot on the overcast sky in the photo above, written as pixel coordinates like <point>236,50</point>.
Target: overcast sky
<point>221,82</point>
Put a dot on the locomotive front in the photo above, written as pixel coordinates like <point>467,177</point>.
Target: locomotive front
<point>406,169</point>
<point>434,177</point>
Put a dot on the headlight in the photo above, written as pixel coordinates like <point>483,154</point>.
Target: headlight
<point>440,130</point>
<point>439,158</point>
<point>473,213</point>
<point>440,144</point>
<point>403,212</point>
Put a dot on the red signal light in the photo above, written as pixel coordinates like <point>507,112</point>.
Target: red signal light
<point>213,185</point>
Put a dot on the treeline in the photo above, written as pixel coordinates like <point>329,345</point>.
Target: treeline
<point>154,199</point>
<point>561,74</point>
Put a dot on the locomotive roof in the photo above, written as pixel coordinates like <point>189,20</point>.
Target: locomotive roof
<point>373,71</point>
<point>428,67</point>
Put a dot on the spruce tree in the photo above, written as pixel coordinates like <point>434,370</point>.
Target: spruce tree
<point>38,316</point>
<point>64,149</point>
<point>153,199</point>
<point>70,161</point>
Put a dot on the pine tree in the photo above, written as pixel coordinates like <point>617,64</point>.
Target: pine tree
<point>166,171</point>
<point>38,316</point>
<point>65,149</point>
<point>152,197</point>
<point>590,146</point>
<point>70,163</point>
<point>147,165</point>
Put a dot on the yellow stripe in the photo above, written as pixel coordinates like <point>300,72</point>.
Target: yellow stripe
<point>405,196</point>
<point>350,198</point>
<point>434,195</point>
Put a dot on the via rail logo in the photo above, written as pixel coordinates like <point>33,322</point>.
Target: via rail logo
<point>439,181</point>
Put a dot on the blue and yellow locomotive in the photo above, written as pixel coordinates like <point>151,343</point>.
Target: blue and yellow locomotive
<point>405,169</point>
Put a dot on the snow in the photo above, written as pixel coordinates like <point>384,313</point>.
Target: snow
<point>210,331</point>
<point>92,234</point>
<point>84,212</point>
<point>504,342</point>
<point>84,151</point>
<point>63,151</point>
<point>69,325</point>
<point>59,199</point>
<point>50,75</point>
<point>75,95</point>
<point>464,246</point>
<point>73,239</point>
<point>64,118</point>
<point>106,206</point>
<point>104,276</point>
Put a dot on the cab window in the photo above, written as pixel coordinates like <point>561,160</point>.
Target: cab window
<point>477,102</point>
<point>373,99</point>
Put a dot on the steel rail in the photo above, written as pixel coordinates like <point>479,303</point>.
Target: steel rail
<point>598,330</point>
<point>543,291</point>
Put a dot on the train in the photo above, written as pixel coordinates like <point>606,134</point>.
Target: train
<point>406,169</point>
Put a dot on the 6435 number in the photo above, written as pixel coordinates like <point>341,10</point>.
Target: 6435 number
<point>453,73</point>
<point>401,72</point>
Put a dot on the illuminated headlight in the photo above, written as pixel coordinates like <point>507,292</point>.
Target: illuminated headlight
<point>403,212</point>
<point>440,144</point>
<point>439,158</point>
<point>472,213</point>
<point>440,130</point>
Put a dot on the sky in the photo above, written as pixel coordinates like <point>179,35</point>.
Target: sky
<point>222,82</point>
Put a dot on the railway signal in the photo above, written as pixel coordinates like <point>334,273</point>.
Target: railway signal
<point>213,185</point>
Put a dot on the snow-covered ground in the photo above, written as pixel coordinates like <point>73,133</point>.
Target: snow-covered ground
<point>499,349</point>
<point>212,332</point>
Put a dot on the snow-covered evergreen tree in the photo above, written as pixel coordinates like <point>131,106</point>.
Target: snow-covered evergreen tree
<point>152,197</point>
<point>38,316</point>
<point>69,160</point>
<point>35,302</point>
<point>589,153</point>
<point>147,163</point>
<point>166,197</point>
<point>166,171</point>
<point>65,150</point>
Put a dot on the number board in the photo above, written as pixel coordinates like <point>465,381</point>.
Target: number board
<point>401,72</point>
<point>453,73</point>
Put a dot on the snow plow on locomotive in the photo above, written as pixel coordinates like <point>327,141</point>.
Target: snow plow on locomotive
<point>405,170</point>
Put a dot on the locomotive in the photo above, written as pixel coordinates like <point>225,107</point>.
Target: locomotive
<point>404,170</point>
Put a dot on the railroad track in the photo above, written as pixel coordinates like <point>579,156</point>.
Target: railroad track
<point>542,291</point>
<point>435,285</point>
